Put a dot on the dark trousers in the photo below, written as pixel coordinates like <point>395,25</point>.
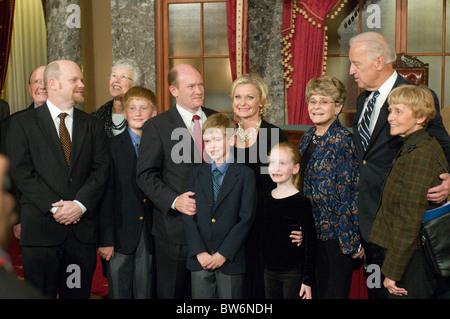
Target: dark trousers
<point>374,255</point>
<point>63,271</point>
<point>283,284</point>
<point>334,271</point>
<point>417,279</point>
<point>173,280</point>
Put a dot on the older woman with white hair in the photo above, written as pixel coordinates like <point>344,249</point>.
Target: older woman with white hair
<point>415,169</point>
<point>124,75</point>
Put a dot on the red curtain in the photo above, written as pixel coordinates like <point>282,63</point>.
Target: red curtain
<point>304,44</point>
<point>6,25</point>
<point>237,14</point>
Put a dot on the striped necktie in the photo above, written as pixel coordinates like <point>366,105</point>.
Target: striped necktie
<point>216,186</point>
<point>64,137</point>
<point>365,122</point>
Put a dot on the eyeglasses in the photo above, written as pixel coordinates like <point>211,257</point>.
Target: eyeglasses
<point>37,83</point>
<point>321,102</point>
<point>122,78</point>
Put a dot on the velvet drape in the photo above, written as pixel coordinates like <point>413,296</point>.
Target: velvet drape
<point>304,43</point>
<point>237,28</point>
<point>6,23</point>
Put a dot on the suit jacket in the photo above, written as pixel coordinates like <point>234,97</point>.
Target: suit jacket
<point>5,125</point>
<point>222,226</point>
<point>4,109</point>
<point>166,156</point>
<point>4,114</point>
<point>376,161</point>
<point>41,174</point>
<point>125,211</point>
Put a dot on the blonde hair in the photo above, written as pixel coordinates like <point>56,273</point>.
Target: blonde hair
<point>418,98</point>
<point>257,81</point>
<point>219,121</point>
<point>295,158</point>
<point>140,93</point>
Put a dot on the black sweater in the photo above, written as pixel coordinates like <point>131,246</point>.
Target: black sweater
<point>281,216</point>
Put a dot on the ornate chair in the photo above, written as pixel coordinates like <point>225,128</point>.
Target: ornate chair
<point>412,69</point>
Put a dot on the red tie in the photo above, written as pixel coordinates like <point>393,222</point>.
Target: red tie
<point>198,134</point>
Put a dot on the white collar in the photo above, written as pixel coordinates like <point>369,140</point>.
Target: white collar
<point>55,111</point>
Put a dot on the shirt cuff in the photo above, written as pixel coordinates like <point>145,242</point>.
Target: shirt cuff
<point>173,204</point>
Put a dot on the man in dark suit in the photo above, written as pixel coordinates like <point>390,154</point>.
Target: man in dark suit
<point>38,94</point>
<point>166,156</point>
<point>59,162</point>
<point>371,58</point>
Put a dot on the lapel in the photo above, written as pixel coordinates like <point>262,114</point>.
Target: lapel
<point>206,183</point>
<point>127,147</point>
<point>79,129</point>
<point>382,120</point>
<point>227,185</point>
<point>47,126</point>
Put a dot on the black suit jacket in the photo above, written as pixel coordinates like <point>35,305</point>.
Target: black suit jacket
<point>167,154</point>
<point>125,211</point>
<point>39,170</point>
<point>221,226</point>
<point>375,163</point>
<point>5,125</point>
<point>4,114</point>
<point>4,109</point>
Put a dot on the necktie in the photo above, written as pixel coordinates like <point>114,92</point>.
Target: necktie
<point>198,134</point>
<point>64,137</point>
<point>216,186</point>
<point>365,122</point>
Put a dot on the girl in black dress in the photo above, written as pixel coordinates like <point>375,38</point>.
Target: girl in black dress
<point>289,268</point>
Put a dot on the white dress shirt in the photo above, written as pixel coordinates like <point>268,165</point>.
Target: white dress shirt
<point>54,112</point>
<point>187,119</point>
<point>384,90</point>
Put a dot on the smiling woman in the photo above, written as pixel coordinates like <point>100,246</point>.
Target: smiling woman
<point>330,177</point>
<point>124,75</point>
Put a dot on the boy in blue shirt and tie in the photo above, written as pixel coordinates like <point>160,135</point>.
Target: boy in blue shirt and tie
<point>225,196</point>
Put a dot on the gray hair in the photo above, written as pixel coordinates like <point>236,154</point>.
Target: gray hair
<point>130,64</point>
<point>377,45</point>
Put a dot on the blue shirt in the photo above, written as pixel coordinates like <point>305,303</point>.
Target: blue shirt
<point>223,169</point>
<point>136,139</point>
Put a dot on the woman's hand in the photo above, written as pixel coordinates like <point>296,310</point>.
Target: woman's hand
<point>390,285</point>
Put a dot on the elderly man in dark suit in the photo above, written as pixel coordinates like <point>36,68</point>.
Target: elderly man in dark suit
<point>59,162</point>
<point>166,156</point>
<point>371,57</point>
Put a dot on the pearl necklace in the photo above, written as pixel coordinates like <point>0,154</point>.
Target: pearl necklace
<point>247,137</point>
